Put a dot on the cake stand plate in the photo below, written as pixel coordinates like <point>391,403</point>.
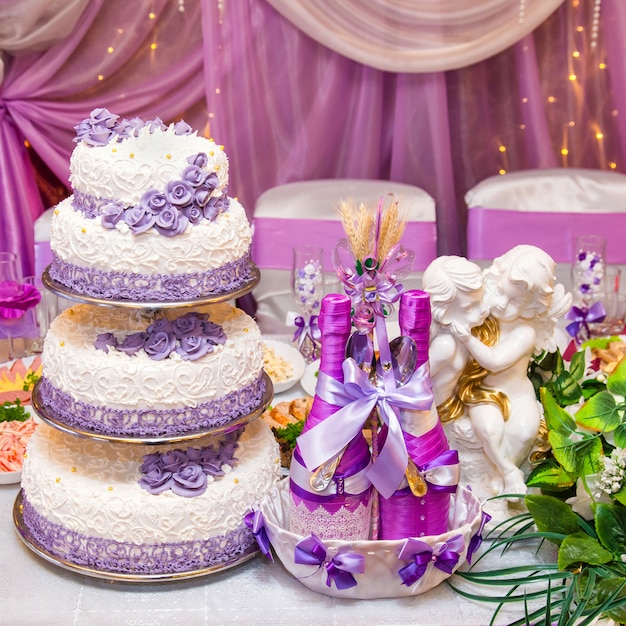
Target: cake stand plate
<point>51,419</point>
<point>70,294</point>
<point>31,542</point>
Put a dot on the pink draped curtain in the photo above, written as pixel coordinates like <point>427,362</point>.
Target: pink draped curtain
<point>287,108</point>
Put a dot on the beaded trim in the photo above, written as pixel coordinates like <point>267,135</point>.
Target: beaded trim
<point>108,555</point>
<point>148,422</point>
<point>156,287</point>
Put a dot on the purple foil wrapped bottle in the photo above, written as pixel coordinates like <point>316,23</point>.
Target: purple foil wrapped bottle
<point>333,501</point>
<point>422,508</point>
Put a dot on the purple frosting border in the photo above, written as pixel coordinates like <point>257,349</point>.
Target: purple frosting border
<point>147,422</point>
<point>108,555</point>
<point>156,287</point>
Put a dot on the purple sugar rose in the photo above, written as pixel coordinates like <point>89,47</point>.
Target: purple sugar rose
<point>104,341</point>
<point>182,128</point>
<point>189,481</point>
<point>139,219</point>
<point>212,182</point>
<point>179,193</point>
<point>97,129</point>
<point>153,201</point>
<point>156,480</point>
<point>193,213</point>
<point>194,175</point>
<point>201,197</point>
<point>159,345</point>
<point>213,332</point>
<point>149,460</point>
<point>215,206</point>
<point>112,213</point>
<point>199,159</point>
<point>173,460</point>
<point>161,324</point>
<point>129,128</point>
<point>131,344</point>
<point>156,124</point>
<point>189,324</point>
<point>194,347</point>
<point>171,222</point>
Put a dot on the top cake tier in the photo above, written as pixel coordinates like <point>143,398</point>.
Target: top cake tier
<point>150,219</point>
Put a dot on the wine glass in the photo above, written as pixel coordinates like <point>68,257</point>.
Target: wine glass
<point>307,287</point>
<point>10,276</point>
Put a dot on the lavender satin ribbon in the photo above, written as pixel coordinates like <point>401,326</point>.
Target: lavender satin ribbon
<point>444,556</point>
<point>358,397</point>
<point>477,538</point>
<point>255,521</point>
<point>442,474</point>
<point>307,328</point>
<point>582,316</point>
<point>339,569</point>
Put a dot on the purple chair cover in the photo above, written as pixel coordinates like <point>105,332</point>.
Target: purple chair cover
<point>491,232</point>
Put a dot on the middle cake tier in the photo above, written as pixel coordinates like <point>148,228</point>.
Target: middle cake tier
<point>151,372</point>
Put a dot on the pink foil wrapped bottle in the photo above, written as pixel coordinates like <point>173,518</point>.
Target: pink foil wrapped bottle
<point>342,508</point>
<point>405,514</point>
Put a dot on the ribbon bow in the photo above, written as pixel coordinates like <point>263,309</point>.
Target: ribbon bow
<point>442,474</point>
<point>305,327</point>
<point>581,317</point>
<point>339,569</point>
<point>358,396</point>
<point>443,556</point>
<point>477,538</point>
<point>255,521</point>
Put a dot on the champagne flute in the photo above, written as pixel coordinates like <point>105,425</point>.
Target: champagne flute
<point>10,276</point>
<point>307,287</point>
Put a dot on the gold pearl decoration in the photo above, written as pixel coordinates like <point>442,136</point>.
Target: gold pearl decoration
<point>212,153</point>
<point>236,481</point>
<point>246,330</point>
<point>168,156</point>
<point>83,230</point>
<point>110,488</point>
<point>62,343</point>
<point>56,211</point>
<point>132,155</point>
<point>73,470</point>
<point>57,480</point>
<point>113,149</point>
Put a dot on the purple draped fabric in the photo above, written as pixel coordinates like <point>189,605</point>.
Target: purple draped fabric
<point>287,109</point>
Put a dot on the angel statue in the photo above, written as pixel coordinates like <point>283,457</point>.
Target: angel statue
<point>501,412</point>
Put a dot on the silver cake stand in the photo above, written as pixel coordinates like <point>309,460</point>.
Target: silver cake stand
<point>50,418</point>
<point>31,542</point>
<point>70,294</point>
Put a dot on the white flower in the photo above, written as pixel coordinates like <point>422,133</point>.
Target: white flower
<point>581,502</point>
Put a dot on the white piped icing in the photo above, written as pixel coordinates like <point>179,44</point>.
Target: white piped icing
<point>125,170</point>
<point>91,487</point>
<point>116,380</point>
<point>201,248</point>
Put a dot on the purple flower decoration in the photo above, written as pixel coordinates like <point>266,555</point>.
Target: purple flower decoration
<point>171,222</point>
<point>139,219</point>
<point>179,193</point>
<point>193,213</point>
<point>173,460</point>
<point>162,324</point>
<point>131,344</point>
<point>156,480</point>
<point>194,175</point>
<point>98,128</point>
<point>112,213</point>
<point>159,345</point>
<point>189,324</point>
<point>200,159</point>
<point>189,481</point>
<point>194,347</point>
<point>153,201</point>
<point>182,128</point>
<point>16,298</point>
<point>213,332</point>
<point>104,341</point>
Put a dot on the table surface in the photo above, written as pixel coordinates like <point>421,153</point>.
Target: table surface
<point>34,591</point>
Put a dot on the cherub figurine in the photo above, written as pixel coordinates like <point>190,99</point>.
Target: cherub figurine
<point>455,287</point>
<point>525,303</point>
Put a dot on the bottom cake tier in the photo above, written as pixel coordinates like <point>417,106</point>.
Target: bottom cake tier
<point>136,509</point>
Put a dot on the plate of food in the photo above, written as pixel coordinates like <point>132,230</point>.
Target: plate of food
<point>16,423</point>
<point>283,364</point>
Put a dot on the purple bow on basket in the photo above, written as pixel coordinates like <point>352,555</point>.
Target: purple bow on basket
<point>477,538</point>
<point>581,317</point>
<point>255,521</point>
<point>444,556</point>
<point>340,568</point>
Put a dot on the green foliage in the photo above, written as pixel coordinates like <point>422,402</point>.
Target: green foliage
<point>13,412</point>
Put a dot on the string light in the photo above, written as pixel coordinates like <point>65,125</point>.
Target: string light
<point>595,24</point>
<point>522,11</point>
<point>181,6</point>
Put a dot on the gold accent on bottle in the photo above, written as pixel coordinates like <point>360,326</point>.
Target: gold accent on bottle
<point>414,478</point>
